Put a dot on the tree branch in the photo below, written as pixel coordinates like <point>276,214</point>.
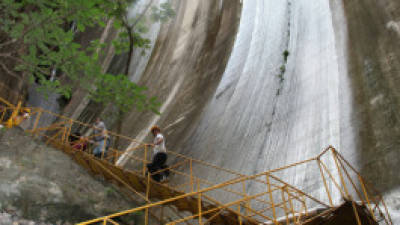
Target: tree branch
<point>9,71</point>
<point>30,28</point>
<point>26,63</point>
<point>12,41</point>
<point>130,30</point>
<point>5,55</point>
<point>141,15</point>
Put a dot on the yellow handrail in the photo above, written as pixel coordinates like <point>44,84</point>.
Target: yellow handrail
<point>279,199</point>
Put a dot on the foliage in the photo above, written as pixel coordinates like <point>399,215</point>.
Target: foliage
<point>282,69</point>
<point>135,27</point>
<point>163,13</point>
<point>123,93</point>
<point>40,29</point>
<point>285,55</point>
<point>36,36</point>
<point>109,191</point>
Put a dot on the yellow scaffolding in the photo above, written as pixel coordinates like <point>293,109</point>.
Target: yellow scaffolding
<point>193,199</point>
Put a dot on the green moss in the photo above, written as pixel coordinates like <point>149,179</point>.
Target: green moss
<point>283,69</point>
<point>109,191</point>
<point>286,55</point>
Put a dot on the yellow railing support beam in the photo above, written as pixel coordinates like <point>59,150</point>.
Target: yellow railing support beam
<point>209,208</point>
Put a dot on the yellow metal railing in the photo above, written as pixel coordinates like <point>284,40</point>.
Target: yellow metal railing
<point>186,172</point>
<point>246,199</point>
<point>282,202</point>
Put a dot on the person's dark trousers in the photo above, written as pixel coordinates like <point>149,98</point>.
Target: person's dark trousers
<point>158,163</point>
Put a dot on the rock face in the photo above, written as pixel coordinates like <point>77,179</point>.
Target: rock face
<point>6,219</point>
<point>186,65</point>
<point>374,65</point>
<point>229,97</point>
<point>43,185</point>
<point>257,111</point>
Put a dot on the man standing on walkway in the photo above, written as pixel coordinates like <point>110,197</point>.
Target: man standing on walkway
<point>100,134</point>
<point>159,156</point>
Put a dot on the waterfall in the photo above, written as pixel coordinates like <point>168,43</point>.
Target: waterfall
<point>258,121</point>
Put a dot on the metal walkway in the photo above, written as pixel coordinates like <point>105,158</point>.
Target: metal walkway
<point>192,199</point>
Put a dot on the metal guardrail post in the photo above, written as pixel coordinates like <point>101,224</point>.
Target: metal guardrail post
<point>271,197</point>
<point>103,150</point>
<point>147,199</point>
<point>63,135</point>
<point>239,216</point>
<point>356,213</point>
<point>14,114</point>
<point>144,160</point>
<point>366,195</point>
<point>387,211</point>
<point>246,212</point>
<point>333,179</point>
<point>71,122</point>
<point>37,119</point>
<point>3,113</point>
<point>200,208</point>
<point>351,181</point>
<point>325,183</point>
<point>340,173</point>
<point>284,204</point>
<point>291,206</point>
<point>304,205</point>
<point>191,176</point>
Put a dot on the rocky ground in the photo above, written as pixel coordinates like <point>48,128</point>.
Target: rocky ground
<point>6,219</point>
<point>41,185</point>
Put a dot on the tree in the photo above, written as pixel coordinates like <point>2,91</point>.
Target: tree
<point>35,38</point>
<point>130,38</point>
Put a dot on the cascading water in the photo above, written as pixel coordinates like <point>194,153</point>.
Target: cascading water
<point>141,57</point>
<point>266,112</point>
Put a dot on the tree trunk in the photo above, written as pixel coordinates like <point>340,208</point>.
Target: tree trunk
<point>130,53</point>
<point>120,116</point>
<point>130,29</point>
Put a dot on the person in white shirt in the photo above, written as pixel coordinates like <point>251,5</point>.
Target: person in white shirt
<point>159,156</point>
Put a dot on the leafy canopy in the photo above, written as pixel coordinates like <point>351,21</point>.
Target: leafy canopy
<point>37,36</point>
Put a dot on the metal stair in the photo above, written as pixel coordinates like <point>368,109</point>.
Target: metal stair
<point>192,199</point>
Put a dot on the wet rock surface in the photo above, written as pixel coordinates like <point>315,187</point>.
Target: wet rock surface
<point>338,86</point>
<point>373,66</point>
<point>231,99</point>
<point>184,67</point>
<point>268,112</point>
<point>43,185</point>
<point>8,219</point>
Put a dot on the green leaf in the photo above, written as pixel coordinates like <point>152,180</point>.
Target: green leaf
<point>51,44</point>
<point>80,27</point>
